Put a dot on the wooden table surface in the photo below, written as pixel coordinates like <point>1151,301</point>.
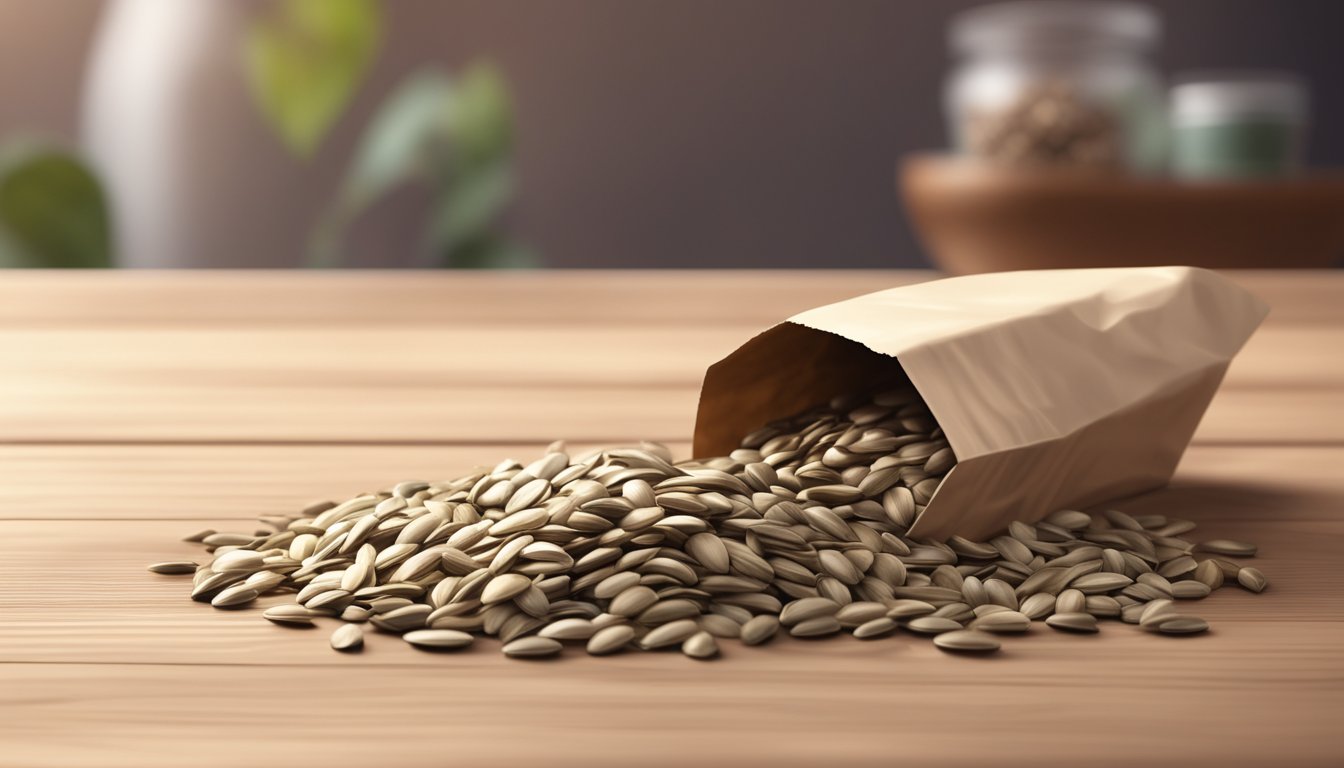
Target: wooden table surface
<point>138,407</point>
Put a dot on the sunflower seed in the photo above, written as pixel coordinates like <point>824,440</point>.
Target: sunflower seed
<point>609,640</point>
<point>633,601</point>
<point>1228,547</point>
<point>1039,606</point>
<point>759,629</point>
<point>438,639</point>
<point>932,625</point>
<point>1176,624</point>
<point>1209,574</point>
<point>1190,590</point>
<point>966,641</point>
<point>701,645</point>
<point>1073,622</point>
<point>669,634</point>
<point>291,615</point>
<point>875,628</point>
<point>505,587</point>
<point>348,638</point>
<point>234,597</point>
<point>819,626</point>
<point>1072,601</point>
<point>1002,621</point>
<point>804,525</point>
<point>807,608</point>
<point>532,648</point>
<point>1252,579</point>
<point>569,629</point>
<point>175,568</point>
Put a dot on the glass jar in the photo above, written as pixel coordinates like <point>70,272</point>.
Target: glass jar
<point>1058,84</point>
<point>1237,126</point>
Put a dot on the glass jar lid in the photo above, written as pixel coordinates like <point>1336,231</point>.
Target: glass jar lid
<point>1044,25</point>
<point>1218,97</point>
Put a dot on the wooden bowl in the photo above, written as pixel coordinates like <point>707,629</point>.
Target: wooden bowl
<point>978,218</point>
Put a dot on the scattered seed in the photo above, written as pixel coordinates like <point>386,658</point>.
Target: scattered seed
<point>804,526</point>
<point>1190,590</point>
<point>610,639</point>
<point>1252,579</point>
<point>759,629</point>
<point>234,597</point>
<point>669,634</point>
<point>966,641</point>
<point>348,638</point>
<point>932,625</point>
<point>1228,547</point>
<point>807,608</point>
<point>438,639</point>
<point>1073,622</point>
<point>289,615</point>
<point>816,627</point>
<point>701,645</point>
<point>1002,621</point>
<point>1176,624</point>
<point>875,628</point>
<point>177,568</point>
<point>532,648</point>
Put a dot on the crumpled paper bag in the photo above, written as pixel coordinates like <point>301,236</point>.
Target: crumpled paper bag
<point>1055,389</point>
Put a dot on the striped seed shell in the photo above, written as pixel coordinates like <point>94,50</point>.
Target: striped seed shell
<point>347,638</point>
<point>532,647</point>
<point>611,639</point>
<point>1073,622</point>
<point>759,629</point>
<point>966,641</point>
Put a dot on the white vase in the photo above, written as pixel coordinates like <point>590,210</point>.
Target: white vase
<point>195,177</point>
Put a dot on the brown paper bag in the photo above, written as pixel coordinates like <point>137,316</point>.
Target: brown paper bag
<point>1055,389</point>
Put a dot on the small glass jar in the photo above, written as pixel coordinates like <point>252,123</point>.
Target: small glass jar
<point>1058,84</point>
<point>1238,126</point>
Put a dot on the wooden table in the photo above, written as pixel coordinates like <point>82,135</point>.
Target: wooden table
<point>139,407</point>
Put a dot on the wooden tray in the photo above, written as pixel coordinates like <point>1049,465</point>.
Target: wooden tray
<point>977,218</point>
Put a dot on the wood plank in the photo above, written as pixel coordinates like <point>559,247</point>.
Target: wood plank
<point>1272,697</point>
<point>209,482</point>
<point>241,482</point>
<point>336,298</point>
<point>452,378</point>
<point>78,591</point>
<point>63,410</point>
<point>443,357</point>
<point>33,298</point>
<point>104,664</point>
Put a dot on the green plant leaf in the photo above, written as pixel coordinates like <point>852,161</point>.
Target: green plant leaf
<point>408,138</point>
<point>471,206</point>
<point>305,61</point>
<point>492,252</point>
<point>52,211</point>
<point>455,136</point>
<point>482,124</point>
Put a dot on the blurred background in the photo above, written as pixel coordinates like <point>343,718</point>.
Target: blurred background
<point>504,133</point>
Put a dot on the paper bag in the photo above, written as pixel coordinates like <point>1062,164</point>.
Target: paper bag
<point>1055,389</point>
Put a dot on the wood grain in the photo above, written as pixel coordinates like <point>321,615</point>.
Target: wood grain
<point>1049,700</point>
<point>276,387</point>
<point>242,482</point>
<point>89,579</point>
<point>135,407</point>
<point>158,300</point>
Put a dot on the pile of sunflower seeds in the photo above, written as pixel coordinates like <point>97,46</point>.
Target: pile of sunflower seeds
<point>803,528</point>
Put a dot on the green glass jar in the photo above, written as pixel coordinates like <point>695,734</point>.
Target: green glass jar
<point>1237,127</point>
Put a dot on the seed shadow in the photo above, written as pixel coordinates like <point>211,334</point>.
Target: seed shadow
<point>1204,501</point>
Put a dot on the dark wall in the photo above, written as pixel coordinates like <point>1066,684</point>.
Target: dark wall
<point>691,132</point>
<point>765,132</point>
